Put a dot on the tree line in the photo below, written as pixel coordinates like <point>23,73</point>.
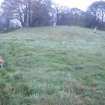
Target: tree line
<point>44,13</point>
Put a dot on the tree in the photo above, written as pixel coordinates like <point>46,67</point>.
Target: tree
<point>28,11</point>
<point>97,9</point>
<point>10,8</point>
<point>41,13</point>
<point>13,9</point>
<point>73,16</point>
<point>90,21</point>
<point>77,16</point>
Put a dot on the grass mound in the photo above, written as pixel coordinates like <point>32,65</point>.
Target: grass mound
<point>53,66</point>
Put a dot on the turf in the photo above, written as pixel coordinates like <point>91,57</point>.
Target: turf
<point>54,66</point>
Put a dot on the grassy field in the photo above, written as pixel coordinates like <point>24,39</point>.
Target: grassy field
<point>53,66</point>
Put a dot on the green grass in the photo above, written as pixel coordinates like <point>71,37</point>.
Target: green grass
<point>53,66</point>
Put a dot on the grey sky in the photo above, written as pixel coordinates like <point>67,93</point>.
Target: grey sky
<point>1,1</point>
<point>81,4</point>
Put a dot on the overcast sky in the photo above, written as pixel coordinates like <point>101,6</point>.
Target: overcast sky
<point>1,1</point>
<point>81,4</point>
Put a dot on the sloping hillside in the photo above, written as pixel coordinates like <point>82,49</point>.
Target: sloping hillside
<point>53,66</point>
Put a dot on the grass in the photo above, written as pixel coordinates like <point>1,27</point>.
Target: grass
<point>53,66</point>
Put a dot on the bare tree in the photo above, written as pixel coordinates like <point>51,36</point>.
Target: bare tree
<point>97,9</point>
<point>28,11</point>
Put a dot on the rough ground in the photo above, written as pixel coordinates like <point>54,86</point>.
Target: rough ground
<point>53,66</point>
